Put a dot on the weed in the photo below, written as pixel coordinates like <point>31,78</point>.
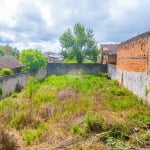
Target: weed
<point>30,135</point>
<point>23,119</point>
<point>116,144</point>
<point>93,122</point>
<point>76,129</point>
<point>147,90</point>
<point>10,140</point>
<point>32,86</point>
<point>120,131</point>
<point>140,118</point>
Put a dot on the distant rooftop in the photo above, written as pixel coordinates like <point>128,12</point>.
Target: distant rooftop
<point>9,62</point>
<point>109,47</point>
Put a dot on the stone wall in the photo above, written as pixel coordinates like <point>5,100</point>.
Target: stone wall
<point>56,68</point>
<point>133,54</point>
<point>137,82</point>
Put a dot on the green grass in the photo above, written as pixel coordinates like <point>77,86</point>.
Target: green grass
<point>100,101</point>
<point>30,135</point>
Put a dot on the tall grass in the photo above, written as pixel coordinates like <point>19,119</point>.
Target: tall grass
<point>40,106</point>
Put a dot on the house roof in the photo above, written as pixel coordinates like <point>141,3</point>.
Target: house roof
<point>109,49</point>
<point>9,62</point>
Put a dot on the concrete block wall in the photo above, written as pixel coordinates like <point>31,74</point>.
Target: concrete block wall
<point>9,84</point>
<point>137,82</point>
<point>133,54</point>
<point>57,68</point>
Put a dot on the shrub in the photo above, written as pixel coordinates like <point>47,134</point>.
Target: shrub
<point>75,129</point>
<point>6,72</point>
<point>30,135</point>
<point>95,123</point>
<point>48,111</point>
<point>104,136</point>
<point>24,119</point>
<point>145,140</point>
<point>119,130</point>
<point>116,144</point>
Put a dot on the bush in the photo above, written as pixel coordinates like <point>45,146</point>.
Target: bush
<point>95,123</point>
<point>6,72</point>
<point>116,144</point>
<point>120,131</point>
<point>30,135</point>
<point>25,119</point>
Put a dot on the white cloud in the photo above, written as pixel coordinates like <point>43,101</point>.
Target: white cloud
<point>41,45</point>
<point>39,23</point>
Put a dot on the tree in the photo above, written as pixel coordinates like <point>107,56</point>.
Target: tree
<point>9,51</point>
<point>80,42</point>
<point>32,59</point>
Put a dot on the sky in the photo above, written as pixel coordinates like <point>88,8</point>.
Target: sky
<point>39,23</point>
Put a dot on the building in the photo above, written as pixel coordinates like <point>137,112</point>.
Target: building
<point>11,63</point>
<point>134,54</point>
<point>108,53</point>
<point>53,57</point>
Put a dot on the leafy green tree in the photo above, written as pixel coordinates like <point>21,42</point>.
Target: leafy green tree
<point>15,52</point>
<point>7,50</point>
<point>32,59</point>
<point>80,42</point>
<point>2,52</point>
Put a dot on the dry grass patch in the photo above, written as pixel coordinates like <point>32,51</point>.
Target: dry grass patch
<point>68,93</point>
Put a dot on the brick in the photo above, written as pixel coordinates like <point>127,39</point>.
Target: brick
<point>133,54</point>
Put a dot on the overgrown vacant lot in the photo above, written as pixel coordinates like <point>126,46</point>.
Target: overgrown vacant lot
<point>74,112</point>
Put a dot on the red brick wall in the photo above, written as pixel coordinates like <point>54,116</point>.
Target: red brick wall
<point>133,54</point>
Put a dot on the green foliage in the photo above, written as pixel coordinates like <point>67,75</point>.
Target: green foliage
<point>32,86</point>
<point>79,43</point>
<point>116,144</point>
<point>9,51</point>
<point>140,118</point>
<point>120,131</point>
<point>1,92</point>
<point>32,134</point>
<point>96,99</point>
<point>94,122</point>
<point>24,119</point>
<point>121,104</point>
<point>119,98</point>
<point>76,129</point>
<point>32,59</point>
<point>6,72</point>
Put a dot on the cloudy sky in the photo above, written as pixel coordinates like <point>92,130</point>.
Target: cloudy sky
<point>39,23</point>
